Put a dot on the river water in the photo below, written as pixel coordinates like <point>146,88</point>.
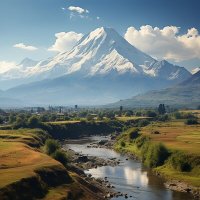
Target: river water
<point>129,177</point>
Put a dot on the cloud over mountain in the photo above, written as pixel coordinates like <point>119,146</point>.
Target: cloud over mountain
<point>6,65</point>
<point>65,41</point>
<point>165,42</point>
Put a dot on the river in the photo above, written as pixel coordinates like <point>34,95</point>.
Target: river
<point>129,177</point>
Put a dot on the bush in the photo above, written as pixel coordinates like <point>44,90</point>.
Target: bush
<point>138,114</point>
<point>163,118</point>
<point>60,156</point>
<point>20,123</point>
<point>140,141</point>
<point>151,113</point>
<point>33,122</point>
<point>51,146</point>
<point>123,144</point>
<point>155,154</point>
<point>133,133</point>
<point>191,121</point>
<point>180,162</point>
<point>143,123</point>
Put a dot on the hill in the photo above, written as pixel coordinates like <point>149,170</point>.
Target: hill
<point>185,94</point>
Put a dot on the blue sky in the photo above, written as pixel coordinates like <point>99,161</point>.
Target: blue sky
<point>34,23</point>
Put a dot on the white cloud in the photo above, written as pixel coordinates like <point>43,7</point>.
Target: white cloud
<point>166,43</point>
<point>98,17</point>
<point>78,9</point>
<point>25,47</point>
<point>65,41</point>
<point>6,65</point>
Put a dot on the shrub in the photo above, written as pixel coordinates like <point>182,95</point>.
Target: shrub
<point>155,154</point>
<point>133,134</point>
<point>151,113</point>
<point>51,146</point>
<point>140,141</point>
<point>180,162</point>
<point>191,121</point>
<point>20,123</point>
<point>163,118</point>
<point>33,122</point>
<point>138,114</point>
<point>143,123</point>
<point>60,156</point>
<point>123,144</point>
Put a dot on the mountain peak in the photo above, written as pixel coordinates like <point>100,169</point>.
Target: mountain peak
<point>27,62</point>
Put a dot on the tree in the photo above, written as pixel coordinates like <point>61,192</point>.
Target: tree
<point>129,113</point>
<point>121,108</point>
<point>151,113</point>
<point>33,122</point>
<point>12,118</point>
<point>1,120</point>
<point>161,109</point>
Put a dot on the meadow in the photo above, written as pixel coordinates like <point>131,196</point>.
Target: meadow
<point>171,148</point>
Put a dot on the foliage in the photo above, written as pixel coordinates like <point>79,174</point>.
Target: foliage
<point>51,146</point>
<point>60,156</point>
<point>180,162</point>
<point>191,121</point>
<point>123,144</point>
<point>133,133</point>
<point>163,118</point>
<point>154,154</point>
<point>161,109</point>
<point>143,122</point>
<point>182,115</point>
<point>151,113</point>
<point>140,141</point>
<point>33,122</point>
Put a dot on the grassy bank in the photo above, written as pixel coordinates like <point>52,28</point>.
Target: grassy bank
<point>26,172</point>
<point>170,148</point>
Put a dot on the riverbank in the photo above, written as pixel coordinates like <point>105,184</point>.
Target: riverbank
<point>169,148</point>
<point>26,172</point>
<point>81,162</point>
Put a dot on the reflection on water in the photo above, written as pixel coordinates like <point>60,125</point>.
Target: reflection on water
<point>129,177</point>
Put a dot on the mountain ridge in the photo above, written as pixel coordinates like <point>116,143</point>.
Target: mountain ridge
<point>184,94</point>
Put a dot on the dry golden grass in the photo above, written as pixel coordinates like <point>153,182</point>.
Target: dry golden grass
<point>65,122</point>
<point>175,135</point>
<point>194,112</point>
<point>124,118</point>
<point>17,159</point>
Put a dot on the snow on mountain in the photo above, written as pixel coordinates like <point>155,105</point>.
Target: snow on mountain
<point>99,52</point>
<point>20,70</point>
<point>194,71</point>
<point>166,70</point>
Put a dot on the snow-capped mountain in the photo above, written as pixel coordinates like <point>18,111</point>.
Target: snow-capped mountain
<point>104,51</point>
<point>102,67</point>
<point>101,52</point>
